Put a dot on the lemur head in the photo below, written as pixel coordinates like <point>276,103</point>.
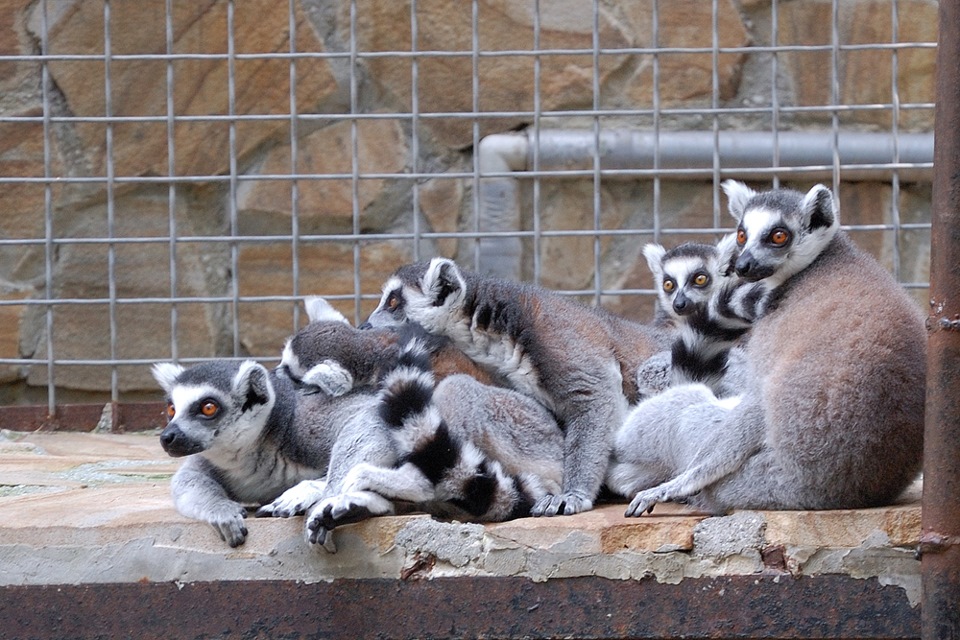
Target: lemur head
<point>422,292</point>
<point>684,276</point>
<point>219,405</point>
<point>306,357</point>
<point>780,232</point>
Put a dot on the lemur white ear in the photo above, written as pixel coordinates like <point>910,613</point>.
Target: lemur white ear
<point>727,253</point>
<point>654,254</point>
<point>319,310</point>
<point>252,383</point>
<point>819,209</point>
<point>166,374</point>
<point>738,195</point>
<point>443,283</point>
<point>330,377</point>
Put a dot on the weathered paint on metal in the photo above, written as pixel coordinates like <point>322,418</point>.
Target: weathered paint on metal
<point>828,606</point>
<point>940,537</point>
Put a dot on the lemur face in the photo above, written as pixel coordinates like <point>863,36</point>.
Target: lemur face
<point>422,292</point>
<point>391,311</point>
<point>685,276</point>
<point>764,238</point>
<point>780,232</point>
<point>214,404</point>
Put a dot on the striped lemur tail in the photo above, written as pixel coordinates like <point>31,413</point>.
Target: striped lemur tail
<point>463,479</point>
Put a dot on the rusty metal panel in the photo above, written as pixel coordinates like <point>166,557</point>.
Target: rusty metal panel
<point>122,417</point>
<point>830,606</point>
<point>940,536</point>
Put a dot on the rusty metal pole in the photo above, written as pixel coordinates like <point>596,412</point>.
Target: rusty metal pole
<point>940,537</point>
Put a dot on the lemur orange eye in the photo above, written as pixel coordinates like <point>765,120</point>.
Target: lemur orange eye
<point>741,237</point>
<point>669,285</point>
<point>779,237</point>
<point>170,411</point>
<point>393,301</point>
<point>209,409</point>
<point>701,279</point>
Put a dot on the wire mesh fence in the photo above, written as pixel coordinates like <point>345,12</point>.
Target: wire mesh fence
<point>177,175</point>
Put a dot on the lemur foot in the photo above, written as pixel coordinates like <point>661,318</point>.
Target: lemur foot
<point>567,504</point>
<point>295,501</point>
<point>643,502</point>
<point>228,522</point>
<point>351,507</point>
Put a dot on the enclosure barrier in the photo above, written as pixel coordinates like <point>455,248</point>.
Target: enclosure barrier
<point>940,538</point>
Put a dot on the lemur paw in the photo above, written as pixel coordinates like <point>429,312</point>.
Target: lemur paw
<point>317,535</point>
<point>294,501</point>
<point>351,507</point>
<point>567,504</point>
<point>228,522</point>
<point>653,375</point>
<point>642,503</point>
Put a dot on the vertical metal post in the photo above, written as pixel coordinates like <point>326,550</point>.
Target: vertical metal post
<point>940,537</point>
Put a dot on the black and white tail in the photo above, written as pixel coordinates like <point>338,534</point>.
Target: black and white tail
<point>463,479</point>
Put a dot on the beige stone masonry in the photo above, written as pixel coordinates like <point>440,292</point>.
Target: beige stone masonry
<point>95,508</point>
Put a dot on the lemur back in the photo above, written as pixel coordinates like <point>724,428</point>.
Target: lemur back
<point>569,357</point>
<point>832,412</point>
<point>330,355</point>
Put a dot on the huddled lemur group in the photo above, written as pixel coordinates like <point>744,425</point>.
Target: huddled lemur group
<point>784,370</point>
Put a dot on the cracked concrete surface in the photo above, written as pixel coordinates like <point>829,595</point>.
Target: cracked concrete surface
<point>95,508</point>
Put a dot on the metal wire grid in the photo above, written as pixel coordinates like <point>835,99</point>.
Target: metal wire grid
<point>600,116</point>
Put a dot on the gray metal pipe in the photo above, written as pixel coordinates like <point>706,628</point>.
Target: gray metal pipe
<point>689,155</point>
<point>678,155</point>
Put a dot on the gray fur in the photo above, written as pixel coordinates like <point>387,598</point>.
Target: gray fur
<point>519,469</point>
<point>498,431</point>
<point>831,415</point>
<point>579,362</point>
<point>264,439</point>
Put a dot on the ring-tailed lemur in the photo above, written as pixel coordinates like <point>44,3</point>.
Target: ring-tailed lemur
<point>579,362</point>
<point>249,436</point>
<point>712,309</point>
<point>490,462</point>
<point>486,450</point>
<point>330,355</point>
<point>832,412</point>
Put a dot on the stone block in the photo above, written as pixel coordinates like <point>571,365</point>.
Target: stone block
<point>201,86</point>
<point>899,526</point>
<point>326,206</point>
<point>685,77</point>
<point>24,203</point>
<point>10,317</point>
<point>140,269</point>
<point>865,76</point>
<point>441,201</point>
<point>444,84</point>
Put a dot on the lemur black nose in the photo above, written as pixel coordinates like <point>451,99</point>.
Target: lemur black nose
<point>365,326</point>
<point>168,437</point>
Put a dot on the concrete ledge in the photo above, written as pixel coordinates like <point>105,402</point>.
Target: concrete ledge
<point>90,514</point>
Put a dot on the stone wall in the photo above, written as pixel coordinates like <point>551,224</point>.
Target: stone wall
<point>386,142</point>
